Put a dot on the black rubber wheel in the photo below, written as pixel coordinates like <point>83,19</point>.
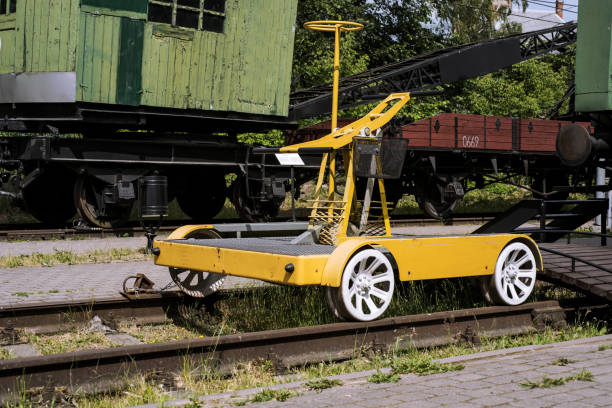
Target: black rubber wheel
<point>203,196</point>
<point>49,196</point>
<point>429,198</point>
<point>85,190</point>
<point>249,209</point>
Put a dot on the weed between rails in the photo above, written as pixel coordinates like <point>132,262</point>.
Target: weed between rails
<point>276,307</point>
<point>547,382</point>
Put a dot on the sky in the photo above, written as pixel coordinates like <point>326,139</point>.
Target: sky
<point>570,7</point>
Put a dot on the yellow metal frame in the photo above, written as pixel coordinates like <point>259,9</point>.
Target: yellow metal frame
<point>416,258</point>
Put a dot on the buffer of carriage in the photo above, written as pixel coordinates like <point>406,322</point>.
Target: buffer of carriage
<point>347,246</point>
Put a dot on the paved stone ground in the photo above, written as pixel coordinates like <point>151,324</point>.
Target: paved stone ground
<point>489,379</point>
<point>74,245</point>
<point>22,286</point>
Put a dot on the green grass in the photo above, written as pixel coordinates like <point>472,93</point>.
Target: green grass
<point>547,382</point>
<point>422,365</point>
<point>277,307</point>
<point>563,361</point>
<point>419,364</point>
<point>604,347</point>
<point>4,354</point>
<point>320,384</point>
<point>60,257</point>
<point>381,377</point>
<point>268,395</point>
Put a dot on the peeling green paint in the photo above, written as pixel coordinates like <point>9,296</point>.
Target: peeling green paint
<point>129,71</point>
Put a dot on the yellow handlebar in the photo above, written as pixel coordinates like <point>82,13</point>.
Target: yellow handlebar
<point>333,25</point>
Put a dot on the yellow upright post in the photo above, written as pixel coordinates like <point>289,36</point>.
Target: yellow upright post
<point>337,27</point>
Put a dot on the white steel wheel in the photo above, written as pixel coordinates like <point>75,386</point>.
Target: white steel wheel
<point>367,286</point>
<point>194,283</point>
<point>515,275</point>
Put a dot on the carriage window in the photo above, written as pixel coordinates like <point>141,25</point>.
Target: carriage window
<point>8,7</point>
<point>207,15</point>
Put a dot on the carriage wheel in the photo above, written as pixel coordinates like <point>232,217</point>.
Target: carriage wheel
<point>203,196</point>
<point>49,196</point>
<point>194,283</point>
<point>366,288</point>
<point>86,192</point>
<point>514,277</point>
<point>250,209</point>
<point>430,198</point>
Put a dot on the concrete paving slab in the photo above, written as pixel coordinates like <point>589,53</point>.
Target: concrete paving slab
<point>74,245</point>
<point>83,283</point>
<point>123,339</point>
<point>22,350</point>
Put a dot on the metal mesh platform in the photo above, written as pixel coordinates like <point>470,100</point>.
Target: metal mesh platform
<point>273,245</point>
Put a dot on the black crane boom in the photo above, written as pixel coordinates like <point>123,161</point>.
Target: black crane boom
<point>437,68</point>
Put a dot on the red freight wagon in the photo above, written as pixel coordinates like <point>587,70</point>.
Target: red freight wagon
<point>435,173</point>
<point>476,132</point>
<point>465,132</point>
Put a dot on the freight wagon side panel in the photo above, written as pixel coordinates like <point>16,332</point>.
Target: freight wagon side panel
<point>499,133</point>
<point>470,132</point>
<point>443,131</point>
<point>539,135</point>
<point>417,133</point>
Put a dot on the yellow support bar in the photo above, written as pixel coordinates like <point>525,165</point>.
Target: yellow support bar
<point>376,119</point>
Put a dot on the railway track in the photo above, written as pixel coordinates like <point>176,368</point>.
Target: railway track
<point>150,308</point>
<point>19,232</point>
<point>100,370</point>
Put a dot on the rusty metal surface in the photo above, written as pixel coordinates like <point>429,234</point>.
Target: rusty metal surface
<point>53,317</point>
<point>101,369</point>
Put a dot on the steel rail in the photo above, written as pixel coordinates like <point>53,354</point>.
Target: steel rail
<point>101,370</point>
<point>39,231</point>
<point>149,308</point>
<point>52,317</point>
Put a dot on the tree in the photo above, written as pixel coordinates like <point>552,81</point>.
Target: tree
<point>467,21</point>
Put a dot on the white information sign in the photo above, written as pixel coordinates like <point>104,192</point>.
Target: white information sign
<point>289,159</point>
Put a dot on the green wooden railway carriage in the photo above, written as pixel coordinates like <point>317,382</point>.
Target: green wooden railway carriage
<point>154,86</point>
<point>211,58</point>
